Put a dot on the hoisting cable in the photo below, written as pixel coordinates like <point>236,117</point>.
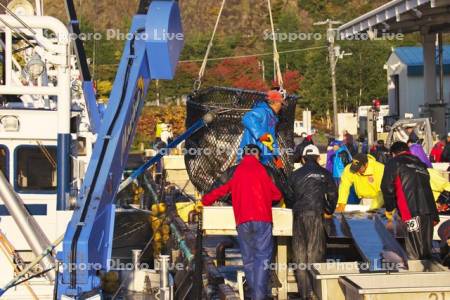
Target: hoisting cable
<point>276,55</point>
<point>201,73</point>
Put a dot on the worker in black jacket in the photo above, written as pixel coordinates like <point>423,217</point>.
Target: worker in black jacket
<point>298,152</point>
<point>406,186</point>
<point>314,197</point>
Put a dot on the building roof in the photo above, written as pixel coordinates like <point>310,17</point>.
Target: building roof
<point>412,57</point>
<point>401,16</point>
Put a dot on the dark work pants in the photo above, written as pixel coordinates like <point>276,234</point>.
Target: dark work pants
<point>308,246</point>
<point>419,238</point>
<point>256,245</point>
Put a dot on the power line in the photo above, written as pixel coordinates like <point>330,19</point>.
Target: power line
<point>254,55</point>
<point>241,56</point>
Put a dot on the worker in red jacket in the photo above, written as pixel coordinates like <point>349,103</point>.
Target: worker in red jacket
<point>436,152</point>
<point>406,187</point>
<point>252,194</point>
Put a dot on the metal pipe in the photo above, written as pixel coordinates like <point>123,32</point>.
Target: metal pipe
<point>29,90</point>
<point>41,22</point>
<point>35,237</point>
<point>164,277</point>
<point>8,57</point>
<point>39,7</point>
<point>64,138</point>
<point>135,254</point>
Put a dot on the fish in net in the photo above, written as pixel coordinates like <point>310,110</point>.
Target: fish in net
<point>211,151</point>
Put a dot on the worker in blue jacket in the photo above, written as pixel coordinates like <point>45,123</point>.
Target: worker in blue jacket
<point>260,128</point>
<point>342,158</point>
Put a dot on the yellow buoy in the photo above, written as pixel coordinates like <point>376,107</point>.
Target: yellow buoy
<point>165,229</point>
<point>162,208</point>
<point>155,209</point>
<point>157,237</point>
<point>156,224</point>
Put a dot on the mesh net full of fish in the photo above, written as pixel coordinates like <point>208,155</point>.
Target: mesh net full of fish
<point>213,150</point>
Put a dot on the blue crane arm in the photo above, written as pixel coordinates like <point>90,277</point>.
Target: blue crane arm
<point>152,53</point>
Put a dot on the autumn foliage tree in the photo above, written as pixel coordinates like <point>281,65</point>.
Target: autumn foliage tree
<point>242,73</point>
<point>291,81</point>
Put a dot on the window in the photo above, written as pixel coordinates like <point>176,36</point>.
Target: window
<point>4,153</point>
<point>35,170</point>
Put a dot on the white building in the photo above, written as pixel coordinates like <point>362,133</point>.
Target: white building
<point>406,81</point>
<point>429,18</point>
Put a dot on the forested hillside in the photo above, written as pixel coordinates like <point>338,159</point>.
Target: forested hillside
<point>243,30</point>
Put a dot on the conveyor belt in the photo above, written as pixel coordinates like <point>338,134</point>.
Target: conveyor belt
<point>373,240</point>
<point>337,229</point>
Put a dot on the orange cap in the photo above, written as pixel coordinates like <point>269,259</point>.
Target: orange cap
<point>275,96</point>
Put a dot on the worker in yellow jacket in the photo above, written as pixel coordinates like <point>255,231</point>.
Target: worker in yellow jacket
<point>438,183</point>
<point>441,190</point>
<point>365,174</point>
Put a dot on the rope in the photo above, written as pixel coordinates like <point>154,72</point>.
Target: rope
<point>15,281</point>
<point>10,253</point>
<point>201,73</point>
<point>276,55</point>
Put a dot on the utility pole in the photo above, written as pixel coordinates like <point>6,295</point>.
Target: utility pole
<point>263,70</point>
<point>333,57</point>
